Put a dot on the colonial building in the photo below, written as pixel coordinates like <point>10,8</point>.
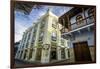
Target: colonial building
<point>42,42</point>
<point>79,30</point>
<point>70,37</point>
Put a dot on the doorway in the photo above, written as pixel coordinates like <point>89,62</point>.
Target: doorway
<point>38,54</point>
<point>25,54</point>
<point>53,55</point>
<point>62,53</point>
<point>81,51</point>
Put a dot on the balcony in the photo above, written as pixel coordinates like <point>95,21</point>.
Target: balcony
<point>83,22</point>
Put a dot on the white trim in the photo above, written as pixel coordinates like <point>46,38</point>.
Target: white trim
<point>78,29</point>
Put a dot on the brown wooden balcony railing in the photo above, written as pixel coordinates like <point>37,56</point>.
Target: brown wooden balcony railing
<point>79,24</point>
<point>83,22</point>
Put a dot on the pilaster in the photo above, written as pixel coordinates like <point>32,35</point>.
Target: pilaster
<point>66,53</point>
<point>22,57</point>
<point>33,54</point>
<point>59,53</point>
<point>29,45</point>
<point>16,56</point>
<point>45,54</point>
<point>37,35</point>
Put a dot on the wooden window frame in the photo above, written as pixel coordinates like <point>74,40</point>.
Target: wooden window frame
<point>79,19</point>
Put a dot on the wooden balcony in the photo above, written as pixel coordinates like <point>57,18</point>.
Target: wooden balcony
<point>82,22</point>
<point>79,24</point>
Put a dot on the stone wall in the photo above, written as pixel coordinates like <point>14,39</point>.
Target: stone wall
<point>92,52</point>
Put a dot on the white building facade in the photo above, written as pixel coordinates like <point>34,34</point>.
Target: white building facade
<point>42,42</point>
<point>79,30</point>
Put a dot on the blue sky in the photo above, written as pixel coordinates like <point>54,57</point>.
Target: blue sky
<point>22,21</point>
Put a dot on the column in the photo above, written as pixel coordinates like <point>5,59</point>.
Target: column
<point>31,37</point>
<point>48,30</point>
<point>58,44</point>
<point>59,53</point>
<point>22,41</point>
<point>66,49</point>
<point>22,57</point>
<point>30,41</point>
<point>24,45</point>
<point>37,35</point>
<point>45,58</point>
<point>66,53</point>
<point>33,54</point>
<point>35,43</point>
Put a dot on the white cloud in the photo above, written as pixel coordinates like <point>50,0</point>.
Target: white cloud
<point>19,29</point>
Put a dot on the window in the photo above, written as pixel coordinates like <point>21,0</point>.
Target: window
<point>41,36</point>
<point>79,19</point>
<point>54,36</point>
<point>91,13</point>
<point>62,42</point>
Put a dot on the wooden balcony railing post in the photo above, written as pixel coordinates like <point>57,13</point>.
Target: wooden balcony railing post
<point>94,15</point>
<point>84,15</point>
<point>64,24</point>
<point>69,23</point>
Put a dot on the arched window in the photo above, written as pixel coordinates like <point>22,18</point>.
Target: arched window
<point>54,36</point>
<point>91,13</point>
<point>79,19</point>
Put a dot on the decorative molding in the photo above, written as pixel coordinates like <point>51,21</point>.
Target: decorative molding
<point>46,47</point>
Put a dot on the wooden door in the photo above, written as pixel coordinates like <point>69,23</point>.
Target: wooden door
<point>81,51</point>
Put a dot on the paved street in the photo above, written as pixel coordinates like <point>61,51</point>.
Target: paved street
<point>20,63</point>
